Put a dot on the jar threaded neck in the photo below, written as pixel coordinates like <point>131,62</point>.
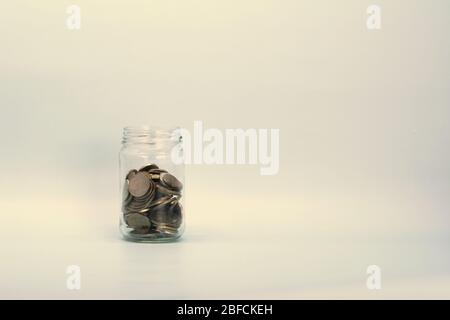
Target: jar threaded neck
<point>150,135</point>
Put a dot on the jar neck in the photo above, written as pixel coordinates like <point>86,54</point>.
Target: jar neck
<point>150,135</point>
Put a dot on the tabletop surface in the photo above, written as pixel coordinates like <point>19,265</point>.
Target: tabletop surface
<point>286,253</point>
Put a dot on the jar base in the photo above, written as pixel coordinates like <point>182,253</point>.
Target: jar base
<point>130,238</point>
<point>156,237</point>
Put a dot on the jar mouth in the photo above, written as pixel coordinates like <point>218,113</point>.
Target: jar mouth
<point>150,133</point>
<point>149,129</point>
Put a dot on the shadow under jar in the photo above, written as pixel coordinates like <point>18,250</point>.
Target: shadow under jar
<point>151,180</point>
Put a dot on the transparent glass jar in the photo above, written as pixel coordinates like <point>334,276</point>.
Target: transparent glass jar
<point>151,184</point>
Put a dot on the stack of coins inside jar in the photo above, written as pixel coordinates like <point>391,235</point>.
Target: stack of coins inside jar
<point>151,202</point>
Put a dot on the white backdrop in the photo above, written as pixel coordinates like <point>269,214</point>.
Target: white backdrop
<point>364,134</point>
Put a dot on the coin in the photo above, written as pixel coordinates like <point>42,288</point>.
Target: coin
<point>149,167</point>
<point>131,174</point>
<point>155,174</point>
<point>138,184</point>
<point>152,176</point>
<point>175,213</point>
<point>150,192</point>
<point>157,171</point>
<point>134,206</point>
<point>137,204</point>
<point>171,182</point>
<point>141,204</point>
<point>138,222</point>
<point>161,199</point>
<point>150,201</point>
<point>166,229</point>
<point>167,191</point>
<point>159,213</point>
<point>125,193</point>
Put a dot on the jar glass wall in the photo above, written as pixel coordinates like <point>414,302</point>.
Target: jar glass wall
<point>151,184</point>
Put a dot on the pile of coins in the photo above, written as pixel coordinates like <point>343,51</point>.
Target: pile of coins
<point>151,201</point>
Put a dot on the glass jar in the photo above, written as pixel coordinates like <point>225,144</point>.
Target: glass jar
<point>151,184</point>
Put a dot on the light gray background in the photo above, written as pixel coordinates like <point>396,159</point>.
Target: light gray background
<point>363,117</point>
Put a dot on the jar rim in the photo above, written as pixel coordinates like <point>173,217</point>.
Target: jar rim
<point>150,128</point>
<point>149,133</point>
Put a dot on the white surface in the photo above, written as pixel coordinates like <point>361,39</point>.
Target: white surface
<point>225,253</point>
<point>364,147</point>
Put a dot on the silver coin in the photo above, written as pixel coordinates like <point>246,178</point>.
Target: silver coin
<point>141,204</point>
<point>151,190</point>
<point>126,196</point>
<point>144,211</point>
<point>166,191</point>
<point>148,195</point>
<point>166,229</point>
<point>171,181</point>
<point>170,213</point>
<point>149,167</point>
<point>135,206</point>
<point>126,203</point>
<point>175,215</point>
<point>159,213</point>
<point>157,171</point>
<point>161,200</point>
<point>131,174</point>
<point>150,201</point>
<point>140,223</point>
<point>138,184</point>
<point>153,176</point>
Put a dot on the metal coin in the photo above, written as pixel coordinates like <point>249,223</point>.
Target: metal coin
<point>135,206</point>
<point>141,204</point>
<point>160,200</point>
<point>150,201</point>
<point>149,167</point>
<point>126,196</point>
<point>145,206</point>
<point>171,181</point>
<point>153,176</point>
<point>142,211</point>
<point>138,222</point>
<point>157,170</point>
<point>125,205</point>
<point>138,184</point>
<point>131,174</point>
<point>149,195</point>
<point>166,229</point>
<point>167,191</point>
<point>144,230</point>
<point>151,189</point>
<point>175,215</point>
<point>159,214</point>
